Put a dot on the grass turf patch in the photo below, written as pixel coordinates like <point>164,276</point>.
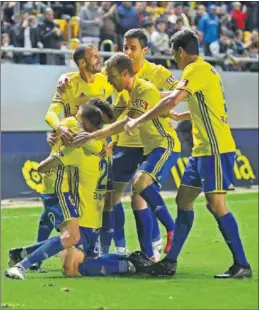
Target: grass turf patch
<point>203,255</point>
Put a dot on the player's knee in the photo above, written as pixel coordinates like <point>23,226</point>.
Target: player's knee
<point>183,203</point>
<point>139,182</point>
<point>137,203</point>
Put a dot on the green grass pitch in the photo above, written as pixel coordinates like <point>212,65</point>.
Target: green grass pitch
<point>193,287</point>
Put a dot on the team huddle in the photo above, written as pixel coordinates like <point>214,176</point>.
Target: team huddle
<point>84,177</point>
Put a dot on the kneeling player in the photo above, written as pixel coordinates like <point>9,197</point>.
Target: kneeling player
<point>56,197</point>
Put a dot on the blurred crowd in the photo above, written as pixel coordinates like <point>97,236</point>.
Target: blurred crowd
<point>226,30</point>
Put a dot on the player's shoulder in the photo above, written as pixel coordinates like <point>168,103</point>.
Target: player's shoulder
<point>154,68</point>
<point>102,77</point>
<point>145,87</point>
<point>198,67</point>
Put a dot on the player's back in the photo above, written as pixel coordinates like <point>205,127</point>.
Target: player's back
<point>159,131</point>
<point>211,131</point>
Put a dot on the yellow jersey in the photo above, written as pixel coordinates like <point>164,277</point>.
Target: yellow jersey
<point>77,93</point>
<point>89,177</point>
<point>157,132</point>
<point>61,183</point>
<point>207,104</point>
<point>158,75</point>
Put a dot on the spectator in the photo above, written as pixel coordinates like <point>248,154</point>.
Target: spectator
<point>6,57</point>
<point>5,27</point>
<point>179,26</point>
<point>160,40</point>
<point>209,26</point>
<point>8,10</point>
<point>225,20</point>
<point>239,16</point>
<point>61,8</point>
<point>51,37</point>
<point>252,44</point>
<point>149,27</point>
<point>27,35</point>
<point>200,40</point>
<point>252,15</point>
<point>90,23</point>
<point>110,19</point>
<point>140,7</point>
<point>200,13</point>
<point>239,42</point>
<point>128,18</point>
<point>178,12</point>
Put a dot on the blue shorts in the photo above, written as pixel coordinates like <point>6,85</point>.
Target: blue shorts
<point>89,242</point>
<point>57,211</point>
<point>159,163</point>
<point>214,173</point>
<point>125,162</point>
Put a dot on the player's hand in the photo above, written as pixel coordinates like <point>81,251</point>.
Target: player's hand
<point>65,134</point>
<point>63,84</point>
<point>52,138</point>
<point>131,125</point>
<point>108,149</point>
<point>173,115</point>
<point>80,139</point>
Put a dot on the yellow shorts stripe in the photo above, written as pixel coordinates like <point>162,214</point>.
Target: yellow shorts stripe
<point>168,151</point>
<point>218,174</point>
<point>58,189</point>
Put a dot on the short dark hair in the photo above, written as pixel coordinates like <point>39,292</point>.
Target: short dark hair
<point>91,114</point>
<point>187,40</point>
<point>104,107</point>
<point>138,34</point>
<point>120,62</point>
<point>79,52</point>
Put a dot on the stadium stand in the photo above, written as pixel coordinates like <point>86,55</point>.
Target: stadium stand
<point>232,30</point>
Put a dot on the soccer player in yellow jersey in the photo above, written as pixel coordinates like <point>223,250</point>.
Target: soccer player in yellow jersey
<point>65,214</point>
<point>128,150</point>
<point>161,145</point>
<point>85,84</point>
<point>211,166</point>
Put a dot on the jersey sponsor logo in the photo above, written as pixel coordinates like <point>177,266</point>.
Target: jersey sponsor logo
<point>170,80</point>
<point>140,104</point>
<point>183,83</point>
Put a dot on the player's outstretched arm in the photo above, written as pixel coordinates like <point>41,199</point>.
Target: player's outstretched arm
<point>162,108</point>
<point>47,164</point>
<point>113,129</point>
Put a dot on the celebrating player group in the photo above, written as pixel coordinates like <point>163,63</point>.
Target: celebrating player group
<point>84,177</point>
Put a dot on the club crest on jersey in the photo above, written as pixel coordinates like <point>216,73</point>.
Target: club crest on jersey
<point>141,104</point>
<point>183,83</point>
<point>82,95</point>
<point>170,80</point>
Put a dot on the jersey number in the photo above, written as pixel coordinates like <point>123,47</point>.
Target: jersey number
<point>103,167</point>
